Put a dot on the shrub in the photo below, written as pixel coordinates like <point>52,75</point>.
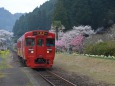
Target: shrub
<point>103,48</point>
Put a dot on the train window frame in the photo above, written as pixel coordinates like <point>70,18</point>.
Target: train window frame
<point>49,45</point>
<point>33,44</point>
<point>41,43</point>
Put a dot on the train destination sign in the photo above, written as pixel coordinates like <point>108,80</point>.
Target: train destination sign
<point>40,33</point>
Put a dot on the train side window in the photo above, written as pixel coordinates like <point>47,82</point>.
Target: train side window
<point>30,41</point>
<point>40,42</point>
<point>50,42</point>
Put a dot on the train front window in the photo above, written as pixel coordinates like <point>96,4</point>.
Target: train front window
<point>30,41</point>
<point>50,42</point>
<point>40,42</point>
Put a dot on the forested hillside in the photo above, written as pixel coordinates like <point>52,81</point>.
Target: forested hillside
<point>96,13</point>
<point>7,20</point>
<point>40,18</point>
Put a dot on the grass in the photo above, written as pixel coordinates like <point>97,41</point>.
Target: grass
<point>95,68</point>
<point>29,84</point>
<point>4,59</point>
<point>2,75</point>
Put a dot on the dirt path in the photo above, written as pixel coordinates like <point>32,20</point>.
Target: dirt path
<point>13,75</point>
<point>18,75</point>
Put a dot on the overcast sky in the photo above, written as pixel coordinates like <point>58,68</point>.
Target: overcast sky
<point>21,6</point>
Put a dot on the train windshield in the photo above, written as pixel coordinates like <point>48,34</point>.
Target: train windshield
<point>30,41</point>
<point>50,42</point>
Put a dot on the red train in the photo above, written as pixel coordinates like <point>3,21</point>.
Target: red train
<point>37,48</point>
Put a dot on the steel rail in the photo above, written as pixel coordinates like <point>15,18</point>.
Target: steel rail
<point>71,84</point>
<point>51,81</point>
<point>46,80</point>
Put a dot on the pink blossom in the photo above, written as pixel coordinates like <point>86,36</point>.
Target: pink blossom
<point>77,40</point>
<point>59,43</point>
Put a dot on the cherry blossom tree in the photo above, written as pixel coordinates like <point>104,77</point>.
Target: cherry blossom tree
<point>74,37</point>
<point>5,38</point>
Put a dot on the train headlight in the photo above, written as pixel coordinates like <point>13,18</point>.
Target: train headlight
<point>48,51</point>
<point>32,51</point>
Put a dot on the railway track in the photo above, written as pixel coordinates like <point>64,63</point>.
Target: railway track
<point>54,79</point>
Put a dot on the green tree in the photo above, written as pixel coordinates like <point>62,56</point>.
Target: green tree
<point>56,25</point>
<point>60,14</point>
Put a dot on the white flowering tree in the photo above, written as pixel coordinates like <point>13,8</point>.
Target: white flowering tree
<point>5,38</point>
<point>74,38</point>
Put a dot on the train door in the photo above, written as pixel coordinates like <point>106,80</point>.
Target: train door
<point>40,46</point>
<point>41,49</point>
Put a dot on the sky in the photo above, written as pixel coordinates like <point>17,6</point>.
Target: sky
<point>21,6</point>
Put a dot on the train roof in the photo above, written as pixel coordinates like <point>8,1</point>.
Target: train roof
<point>38,31</point>
<point>30,32</point>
